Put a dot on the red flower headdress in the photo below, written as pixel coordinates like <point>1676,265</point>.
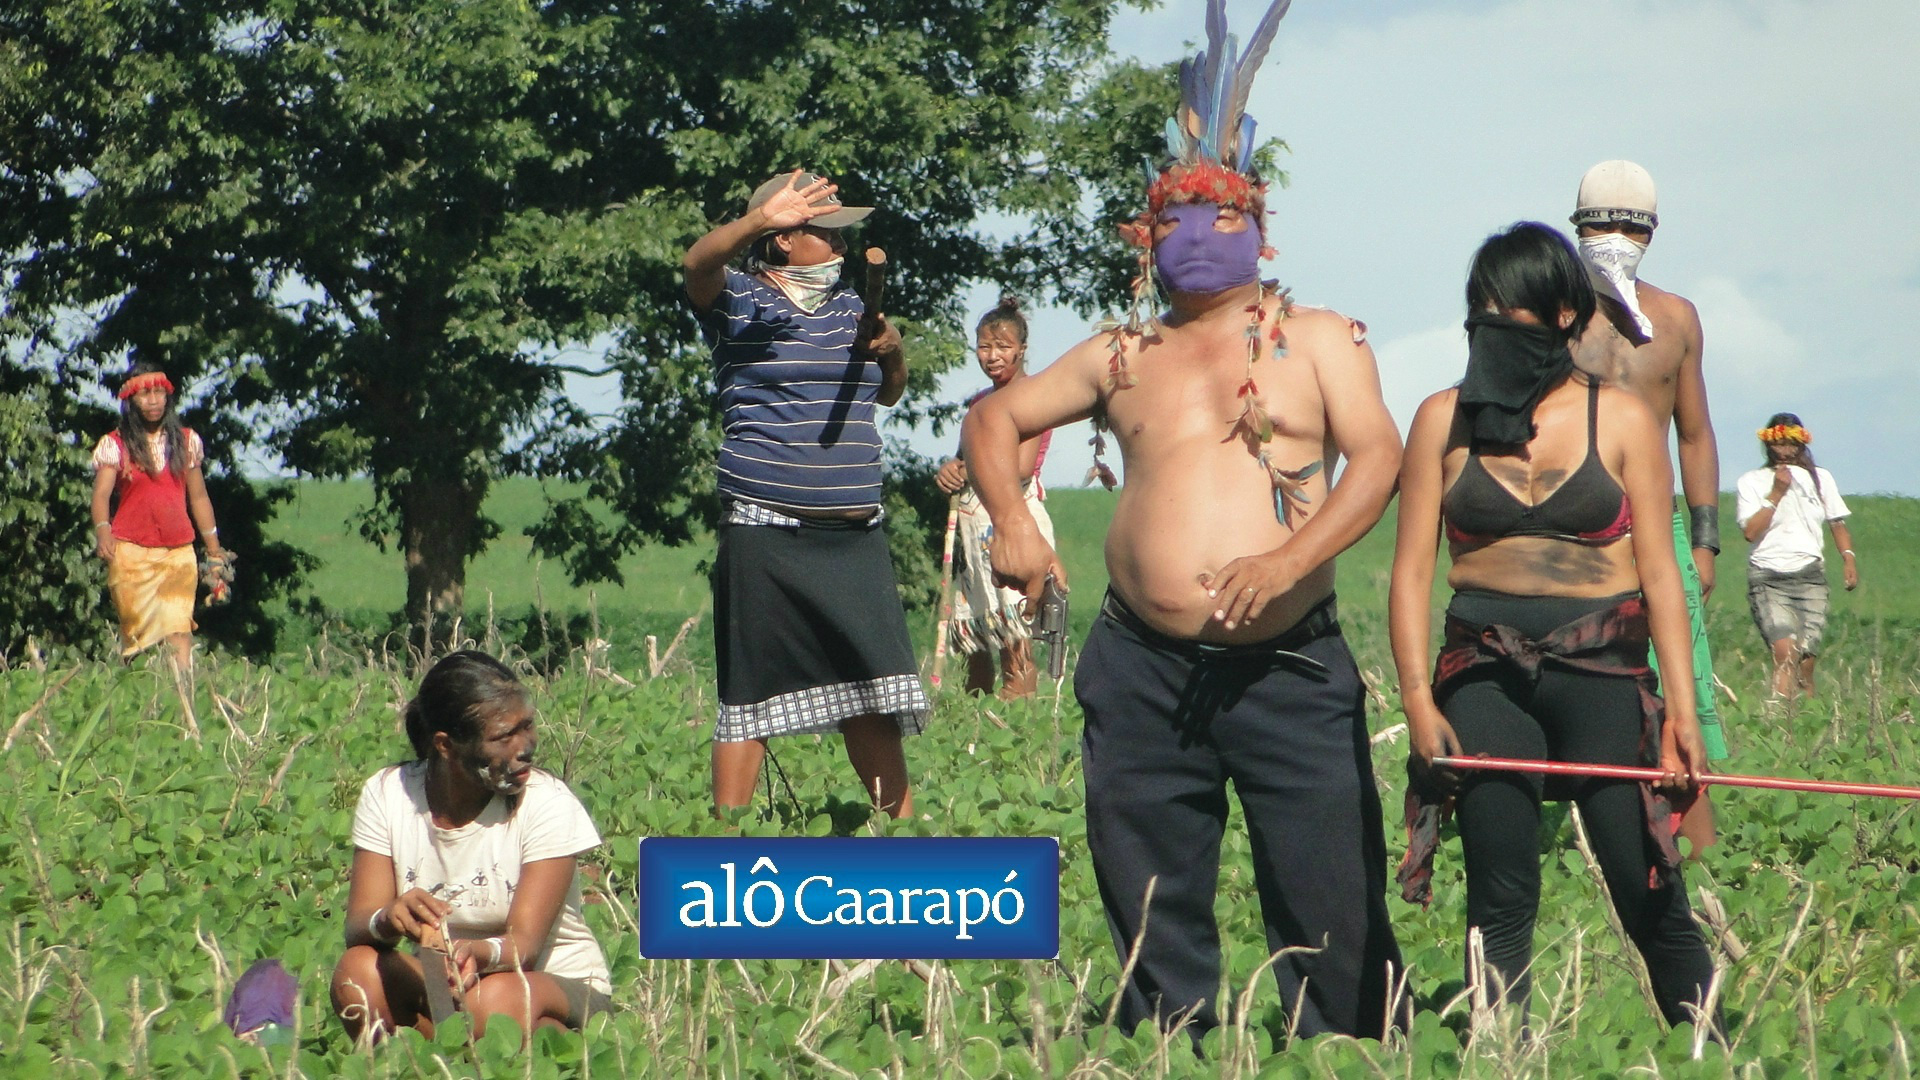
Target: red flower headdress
<point>1785,433</point>
<point>142,381</point>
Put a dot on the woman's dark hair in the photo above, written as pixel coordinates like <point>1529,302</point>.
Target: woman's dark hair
<point>133,431</point>
<point>1007,312</point>
<point>764,250</point>
<point>1532,267</point>
<point>1805,456</point>
<point>458,693</point>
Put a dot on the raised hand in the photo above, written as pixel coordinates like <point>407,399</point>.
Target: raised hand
<point>791,207</point>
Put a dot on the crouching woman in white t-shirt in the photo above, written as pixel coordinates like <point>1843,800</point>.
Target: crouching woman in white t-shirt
<point>471,850</point>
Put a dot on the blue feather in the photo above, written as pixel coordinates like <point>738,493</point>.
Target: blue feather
<point>1214,86</point>
<point>1244,160</point>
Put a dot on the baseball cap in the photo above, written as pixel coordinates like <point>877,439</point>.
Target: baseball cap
<point>838,219</point>
<point>1617,191</point>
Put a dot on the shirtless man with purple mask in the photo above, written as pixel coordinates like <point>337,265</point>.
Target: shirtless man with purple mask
<point>1216,656</point>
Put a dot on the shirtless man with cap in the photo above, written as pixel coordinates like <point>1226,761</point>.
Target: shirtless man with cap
<point>1216,657</point>
<point>1647,340</point>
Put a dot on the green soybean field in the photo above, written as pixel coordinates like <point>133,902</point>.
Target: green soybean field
<point>145,868</point>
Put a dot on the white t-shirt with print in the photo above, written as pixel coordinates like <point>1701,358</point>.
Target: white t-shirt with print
<point>1793,540</point>
<point>476,867</point>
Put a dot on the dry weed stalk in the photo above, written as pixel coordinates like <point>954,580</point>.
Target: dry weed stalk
<point>1630,953</point>
<point>1243,1051</point>
<point>1714,914</point>
<point>20,722</point>
<point>1779,965</point>
<point>656,661</point>
<point>30,977</point>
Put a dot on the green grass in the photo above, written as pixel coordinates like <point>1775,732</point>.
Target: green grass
<point>356,577</point>
<point>145,870</point>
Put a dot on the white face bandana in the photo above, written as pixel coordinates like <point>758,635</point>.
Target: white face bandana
<point>1612,260</point>
<point>807,286</point>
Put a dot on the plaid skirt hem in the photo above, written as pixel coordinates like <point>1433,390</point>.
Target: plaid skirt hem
<point>820,709</point>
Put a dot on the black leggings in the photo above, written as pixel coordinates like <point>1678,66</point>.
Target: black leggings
<point>1566,715</point>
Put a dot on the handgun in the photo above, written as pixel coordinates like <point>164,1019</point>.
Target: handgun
<point>1050,627</point>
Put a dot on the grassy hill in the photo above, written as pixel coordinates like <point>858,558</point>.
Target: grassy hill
<point>664,585</point>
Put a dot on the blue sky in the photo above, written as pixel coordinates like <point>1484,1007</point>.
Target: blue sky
<point>1784,137</point>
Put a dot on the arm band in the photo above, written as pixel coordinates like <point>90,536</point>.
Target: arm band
<point>373,929</point>
<point>493,964</point>
<point>1704,522</point>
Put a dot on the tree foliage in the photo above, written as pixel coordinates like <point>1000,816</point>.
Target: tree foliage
<point>44,523</point>
<point>377,227</point>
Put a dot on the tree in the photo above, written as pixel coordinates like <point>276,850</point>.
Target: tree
<point>939,114</point>
<point>377,223</point>
<point>44,522</point>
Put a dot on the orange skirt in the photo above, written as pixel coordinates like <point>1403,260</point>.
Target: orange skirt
<point>153,591</point>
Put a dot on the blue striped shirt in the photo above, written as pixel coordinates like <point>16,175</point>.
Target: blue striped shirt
<point>797,403</point>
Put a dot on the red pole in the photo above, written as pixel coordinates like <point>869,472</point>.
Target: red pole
<point>1631,772</point>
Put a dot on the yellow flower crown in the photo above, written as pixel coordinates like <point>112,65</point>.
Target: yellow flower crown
<point>1792,433</point>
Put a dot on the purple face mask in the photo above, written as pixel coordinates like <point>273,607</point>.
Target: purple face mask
<point>1194,258</point>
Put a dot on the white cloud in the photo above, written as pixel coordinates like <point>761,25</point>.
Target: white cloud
<point>1414,366</point>
<point>1746,343</point>
<point>1784,136</point>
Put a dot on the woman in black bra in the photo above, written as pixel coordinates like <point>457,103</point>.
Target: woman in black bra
<point>1555,496</point>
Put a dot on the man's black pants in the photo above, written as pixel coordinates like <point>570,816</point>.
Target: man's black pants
<point>1168,726</point>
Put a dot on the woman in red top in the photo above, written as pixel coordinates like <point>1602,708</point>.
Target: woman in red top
<point>148,471</point>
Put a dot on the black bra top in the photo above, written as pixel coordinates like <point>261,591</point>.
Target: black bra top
<point>1589,508</point>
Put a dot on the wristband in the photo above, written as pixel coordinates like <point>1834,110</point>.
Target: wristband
<point>1848,552</point>
<point>493,964</point>
<point>1704,523</point>
<point>103,524</point>
<point>373,928</point>
<point>1773,503</point>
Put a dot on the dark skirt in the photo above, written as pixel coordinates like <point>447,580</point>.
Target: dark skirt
<point>809,632</point>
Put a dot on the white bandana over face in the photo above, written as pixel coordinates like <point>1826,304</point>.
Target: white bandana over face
<point>807,286</point>
<point>1612,261</point>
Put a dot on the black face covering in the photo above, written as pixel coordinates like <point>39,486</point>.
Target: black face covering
<point>1510,366</point>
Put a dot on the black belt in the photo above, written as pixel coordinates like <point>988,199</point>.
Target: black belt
<point>1322,621</point>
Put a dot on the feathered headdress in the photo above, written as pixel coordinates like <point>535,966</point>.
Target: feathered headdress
<point>1210,140</point>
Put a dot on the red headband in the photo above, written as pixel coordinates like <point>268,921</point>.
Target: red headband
<point>142,381</point>
<point>1208,182</point>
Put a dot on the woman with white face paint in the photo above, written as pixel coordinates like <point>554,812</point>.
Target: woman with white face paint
<point>986,616</point>
<point>469,852</point>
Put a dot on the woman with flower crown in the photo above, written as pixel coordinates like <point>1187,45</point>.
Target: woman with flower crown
<point>1782,506</point>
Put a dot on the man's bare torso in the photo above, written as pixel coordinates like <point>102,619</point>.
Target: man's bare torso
<point>1196,495</point>
<point>1612,349</point>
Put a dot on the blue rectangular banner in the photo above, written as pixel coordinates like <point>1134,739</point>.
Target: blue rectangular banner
<point>884,898</point>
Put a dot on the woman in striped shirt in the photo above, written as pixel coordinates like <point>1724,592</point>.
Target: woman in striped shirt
<point>809,634</point>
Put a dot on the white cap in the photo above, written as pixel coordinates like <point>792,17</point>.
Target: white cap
<point>1617,191</point>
